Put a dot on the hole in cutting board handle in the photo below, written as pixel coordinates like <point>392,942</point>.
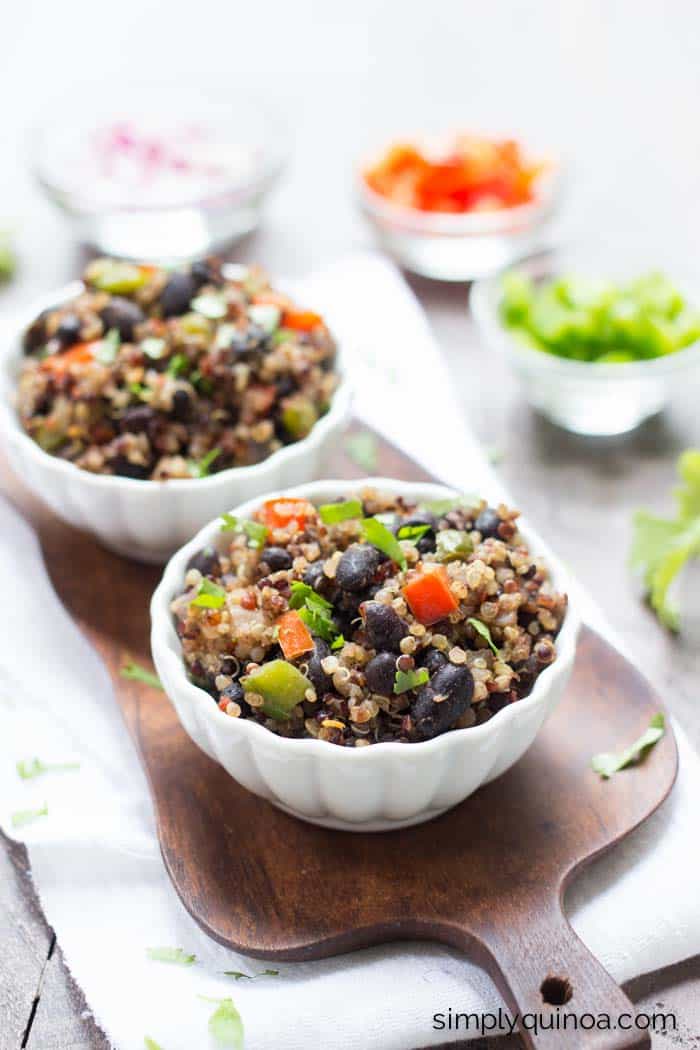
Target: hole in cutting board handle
<point>556,991</point>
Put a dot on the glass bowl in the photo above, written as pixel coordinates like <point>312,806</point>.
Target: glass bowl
<point>159,173</point>
<point>466,246</point>
<point>585,397</point>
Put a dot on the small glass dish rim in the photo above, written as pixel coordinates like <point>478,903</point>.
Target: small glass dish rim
<point>277,151</point>
<point>549,187</point>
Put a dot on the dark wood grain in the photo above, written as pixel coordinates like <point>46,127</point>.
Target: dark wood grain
<point>487,878</point>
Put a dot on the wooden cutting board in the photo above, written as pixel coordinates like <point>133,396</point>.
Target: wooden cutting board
<point>487,878</point>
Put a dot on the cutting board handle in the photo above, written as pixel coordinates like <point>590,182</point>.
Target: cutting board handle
<point>543,969</point>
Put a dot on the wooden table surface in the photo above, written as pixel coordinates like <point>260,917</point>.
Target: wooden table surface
<point>569,74</point>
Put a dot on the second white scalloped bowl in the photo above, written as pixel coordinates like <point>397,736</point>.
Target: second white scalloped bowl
<point>148,520</point>
<point>375,788</point>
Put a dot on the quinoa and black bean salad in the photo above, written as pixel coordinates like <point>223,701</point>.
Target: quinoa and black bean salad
<point>368,619</point>
<point>155,374</point>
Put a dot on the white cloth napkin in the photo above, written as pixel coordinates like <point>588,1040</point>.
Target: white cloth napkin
<point>94,856</point>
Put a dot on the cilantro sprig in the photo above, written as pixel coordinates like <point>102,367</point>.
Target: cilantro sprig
<point>254,530</point>
<point>225,1024</point>
<point>662,546</point>
<point>199,468</point>
<point>405,680</point>
<point>137,673</point>
<point>209,595</point>
<point>606,764</point>
<point>27,816</point>
<point>485,633</point>
<point>171,955</point>
<point>29,768</point>
<point>238,975</point>
<point>315,611</point>
<point>380,537</point>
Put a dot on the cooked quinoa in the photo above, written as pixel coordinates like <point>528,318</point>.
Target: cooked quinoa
<point>369,619</point>
<point>156,374</point>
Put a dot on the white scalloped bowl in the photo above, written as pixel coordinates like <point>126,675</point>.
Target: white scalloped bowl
<point>377,788</point>
<point>148,520</point>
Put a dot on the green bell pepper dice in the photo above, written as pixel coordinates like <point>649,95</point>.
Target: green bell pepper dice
<point>281,685</point>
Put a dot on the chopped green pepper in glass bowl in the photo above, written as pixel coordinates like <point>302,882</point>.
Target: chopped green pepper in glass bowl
<point>598,338</point>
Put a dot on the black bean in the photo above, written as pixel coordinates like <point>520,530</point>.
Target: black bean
<point>357,566</point>
<point>285,385</point>
<point>383,626</point>
<point>454,686</point>
<point>250,338</point>
<point>277,558</point>
<point>315,577</point>
<point>182,405</point>
<point>124,468</point>
<point>123,315</point>
<point>35,335</point>
<point>487,523</point>
<point>137,420</point>
<point>497,701</point>
<point>233,692</point>
<point>68,331</point>
<point>206,561</point>
<point>202,272</point>
<point>380,674</point>
<point>321,682</point>
<point>433,660</point>
<point>179,291</point>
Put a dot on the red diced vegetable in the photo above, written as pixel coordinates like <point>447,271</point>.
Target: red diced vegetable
<point>429,596</point>
<point>279,513</point>
<point>293,635</point>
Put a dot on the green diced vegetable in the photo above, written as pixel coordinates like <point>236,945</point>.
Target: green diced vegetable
<point>178,365</point>
<point>298,416</point>
<point>453,544</point>
<point>8,259</point>
<point>599,321</point>
<point>281,685</point>
<point>332,513</point>
<point>118,278</point>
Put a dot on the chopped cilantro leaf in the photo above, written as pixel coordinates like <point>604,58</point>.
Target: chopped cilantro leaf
<point>137,673</point>
<point>171,955</point>
<point>332,513</point>
<point>27,816</point>
<point>607,764</point>
<point>485,633</point>
<point>379,536</point>
<point>662,546</point>
<point>405,680</point>
<point>209,595</point>
<point>28,768</point>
